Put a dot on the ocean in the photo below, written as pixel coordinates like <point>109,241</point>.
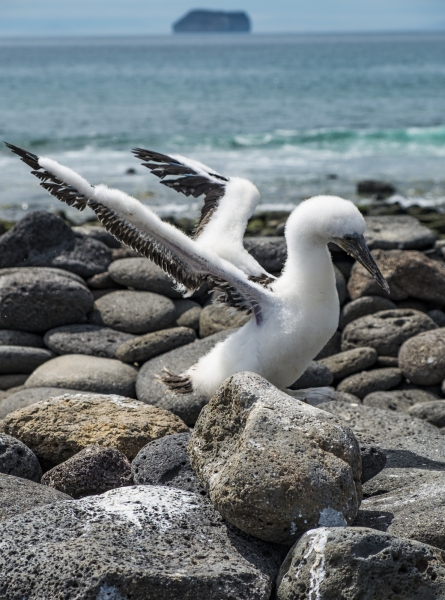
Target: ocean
<point>299,115</point>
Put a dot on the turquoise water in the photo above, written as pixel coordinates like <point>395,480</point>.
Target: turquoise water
<point>288,112</point>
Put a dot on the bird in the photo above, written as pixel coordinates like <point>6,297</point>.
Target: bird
<point>292,318</point>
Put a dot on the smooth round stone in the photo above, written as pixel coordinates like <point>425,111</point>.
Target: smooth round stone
<point>352,361</point>
<point>11,381</point>
<point>18,460</point>
<point>432,411</point>
<point>187,313</point>
<point>367,305</point>
<point>27,396</point>
<point>270,252</point>
<point>86,339</point>
<point>362,384</point>
<point>422,358</point>
<point>37,301</point>
<point>387,361</point>
<point>316,375</point>
<point>398,232</point>
<point>86,373</point>
<point>11,337</point>
<point>102,281</point>
<point>217,317</point>
<point>98,233</point>
<point>398,400</point>
<point>22,359</point>
<point>142,274</point>
<point>133,312</point>
<point>145,347</point>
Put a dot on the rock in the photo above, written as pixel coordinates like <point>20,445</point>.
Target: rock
<point>36,302</point>
<point>270,252</point>
<point>18,460</point>
<point>367,305</point>
<point>152,391</point>
<point>100,293</point>
<point>201,21</point>
<point>216,317</point>
<point>25,397</point>
<point>316,375</point>
<point>401,232</point>
<point>103,282</point>
<point>409,274</point>
<point>11,337</point>
<point>86,339</point>
<point>432,411</point>
<point>438,316</point>
<point>165,462</point>
<point>91,471</point>
<point>413,303</point>
<point>386,330</point>
<point>340,283</point>
<point>422,358</point>
<point>396,479</point>
<point>142,274</point>
<point>373,461</point>
<point>86,374</point>
<point>58,428</point>
<point>41,239</point>
<point>22,359</point>
<point>344,397</point>
<point>398,400</point>
<point>18,495</point>
<point>98,233</point>
<point>133,312</point>
<point>124,252</point>
<point>362,384</point>
<point>352,361</point>
<point>371,187</point>
<point>187,314</point>
<point>273,466</point>
<point>10,381</point>
<point>145,347</point>
<point>332,347</point>
<point>334,563</point>
<point>384,362</point>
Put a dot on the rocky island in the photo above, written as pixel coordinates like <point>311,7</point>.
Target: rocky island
<point>210,21</point>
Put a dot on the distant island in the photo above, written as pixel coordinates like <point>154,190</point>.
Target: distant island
<point>209,21</point>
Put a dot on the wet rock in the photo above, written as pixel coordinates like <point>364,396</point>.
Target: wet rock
<point>87,374</point>
<point>215,318</point>
<point>58,428</point>
<point>270,252</point>
<point>366,382</point>
<point>332,347</point>
<point>10,381</point>
<point>386,330</point>
<point>91,471</point>
<point>352,361</point>
<point>398,400</point>
<point>144,347</point>
<point>433,412</point>
<point>316,375</point>
<point>367,305</point>
<point>86,339</point>
<point>41,239</point>
<point>187,313</point>
<point>166,462</point>
<point>37,301</point>
<point>142,274</point>
<point>334,563</point>
<point>438,316</point>
<point>152,391</point>
<point>169,560</point>
<point>22,359</point>
<point>100,234</point>
<point>11,337</point>
<point>18,460</point>
<point>273,466</point>
<point>401,232</point>
<point>373,461</point>
<point>133,312</point>
<point>372,187</point>
<point>422,358</point>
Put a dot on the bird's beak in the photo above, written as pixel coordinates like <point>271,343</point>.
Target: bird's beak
<point>355,246</point>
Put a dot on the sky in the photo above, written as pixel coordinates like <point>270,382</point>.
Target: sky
<point>110,17</point>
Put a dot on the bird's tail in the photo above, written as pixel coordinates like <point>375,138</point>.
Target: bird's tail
<point>179,384</point>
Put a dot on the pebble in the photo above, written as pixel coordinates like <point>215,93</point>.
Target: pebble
<point>352,361</point>
<point>86,339</point>
<point>25,397</point>
<point>58,428</point>
<point>316,375</point>
<point>398,400</point>
<point>433,412</point>
<point>22,359</point>
<point>188,313</point>
<point>401,232</point>
<point>144,347</point>
<point>422,358</point>
<point>142,274</point>
<point>37,301</point>
<point>86,373</point>
<point>18,460</point>
<point>366,382</point>
<point>367,305</point>
<point>274,466</point>
<point>10,381</point>
<point>133,312</point>
<point>216,317</point>
<point>91,471</point>
<point>11,337</point>
<point>270,252</point>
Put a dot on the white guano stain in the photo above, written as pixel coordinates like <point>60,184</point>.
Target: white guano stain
<point>329,517</point>
<point>109,592</point>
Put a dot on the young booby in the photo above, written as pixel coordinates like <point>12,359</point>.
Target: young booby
<point>291,320</point>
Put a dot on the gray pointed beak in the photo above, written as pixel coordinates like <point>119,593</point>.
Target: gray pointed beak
<point>355,246</point>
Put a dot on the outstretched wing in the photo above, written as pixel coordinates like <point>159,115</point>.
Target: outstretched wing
<point>137,226</point>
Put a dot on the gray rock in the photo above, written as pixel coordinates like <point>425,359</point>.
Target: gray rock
<point>11,337</point>
<point>438,317</point>
<point>152,391</point>
<point>433,412</point>
<point>414,304</point>
<point>353,563</point>
<point>86,339</point>
<point>91,471</point>
<point>22,359</point>
<point>102,282</point>
<point>98,233</point>
<point>400,232</point>
<point>398,400</point>
<point>396,479</point>
<point>145,347</point>
<point>11,381</point>
<point>18,460</point>
<point>142,274</point>
<point>366,382</point>
<point>316,375</point>
<point>133,312</point>
<point>183,550</point>
<point>332,347</point>
<point>422,358</point>
<point>270,252</point>
<point>25,397</point>
<point>340,283</point>
<point>166,462</point>
<point>367,305</point>
<point>349,362</point>
<point>41,239</point>
<point>37,301</point>
<point>386,330</point>
<point>345,397</point>
<point>187,314</point>
<point>384,362</point>
<point>86,373</point>
<point>44,272</point>
<point>273,466</point>
<point>373,461</point>
<point>216,317</point>
<point>371,187</point>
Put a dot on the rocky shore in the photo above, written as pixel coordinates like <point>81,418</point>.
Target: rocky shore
<point>112,487</point>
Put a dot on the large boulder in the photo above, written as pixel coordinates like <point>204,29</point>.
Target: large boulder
<point>18,460</point>
<point>422,358</point>
<point>401,232</point>
<point>86,339</point>
<point>22,359</point>
<point>142,274</point>
<point>144,347</point>
<point>274,466</point>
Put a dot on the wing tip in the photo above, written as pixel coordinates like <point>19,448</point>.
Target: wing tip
<point>29,158</point>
